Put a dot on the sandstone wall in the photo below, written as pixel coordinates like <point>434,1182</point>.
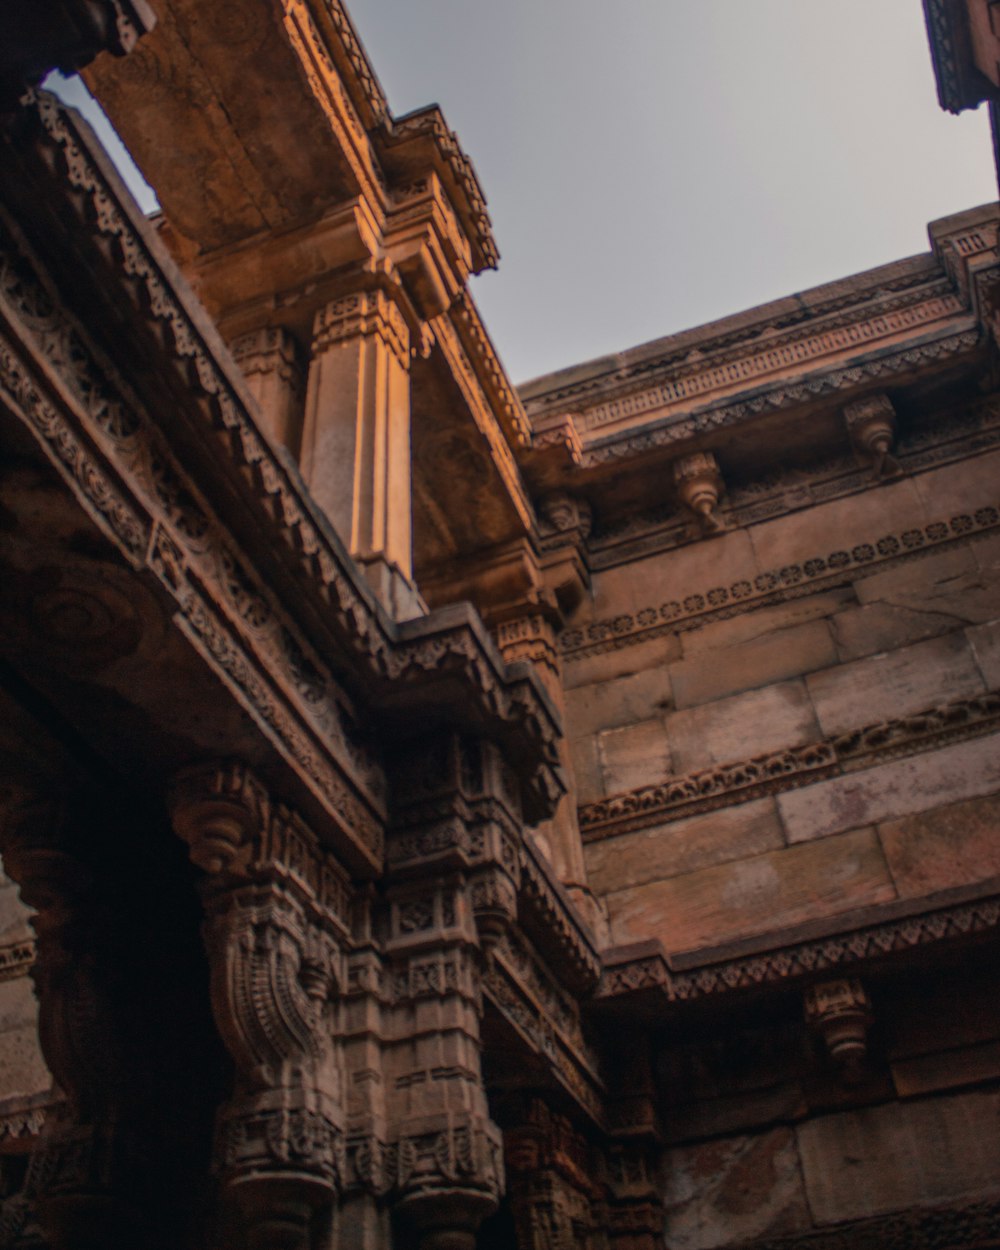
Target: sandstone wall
<point>912,623</point>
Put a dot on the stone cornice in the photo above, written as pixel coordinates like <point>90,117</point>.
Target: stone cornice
<point>823,570</point>
<point>456,170</point>
<point>739,782</point>
<point>951,437</point>
<point>305,562</point>
<point>881,325</point>
<point>781,960</point>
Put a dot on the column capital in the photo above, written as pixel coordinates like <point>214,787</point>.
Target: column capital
<point>362,314</point>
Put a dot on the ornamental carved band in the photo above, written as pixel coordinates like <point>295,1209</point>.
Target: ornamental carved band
<point>275,930</point>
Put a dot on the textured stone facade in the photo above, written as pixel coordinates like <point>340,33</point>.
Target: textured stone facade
<point>437,816</point>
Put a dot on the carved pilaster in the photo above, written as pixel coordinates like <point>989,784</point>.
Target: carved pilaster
<point>269,361</point>
<point>356,437</point>
<point>276,923</point>
<point>452,889</point>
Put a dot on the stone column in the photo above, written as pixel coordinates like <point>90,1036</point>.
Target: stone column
<point>86,1178</point>
<point>276,928</point>
<point>554,1185</point>
<point>356,438</point>
<point>449,889</point>
<point>268,359</point>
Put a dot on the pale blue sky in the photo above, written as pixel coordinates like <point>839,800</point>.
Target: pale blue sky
<point>654,164</point>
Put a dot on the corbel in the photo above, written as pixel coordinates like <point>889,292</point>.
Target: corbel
<point>839,1012</point>
<point>699,487</point>
<point>871,425</point>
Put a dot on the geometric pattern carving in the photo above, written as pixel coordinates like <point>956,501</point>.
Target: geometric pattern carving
<point>793,960</point>
<point>726,784</point>
<point>773,586</point>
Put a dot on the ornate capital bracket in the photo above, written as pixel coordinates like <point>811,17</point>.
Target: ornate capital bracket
<point>840,1013</point>
<point>871,424</point>
<point>699,488</point>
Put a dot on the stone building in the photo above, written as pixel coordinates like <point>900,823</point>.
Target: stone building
<point>454,817</point>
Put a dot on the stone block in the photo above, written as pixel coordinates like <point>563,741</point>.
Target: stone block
<point>611,704</point>
<point>776,657</point>
<point>753,896</point>
<point>948,583</point>
<point>880,1159</point>
<point>762,621</point>
<point>741,726</point>
<point>894,683</point>
<point>638,755</point>
<point>840,524</point>
<point>587,777</point>
<point>949,1069</point>
<point>946,847</point>
<point>637,657</point>
<point>14,916</point>
<point>700,566</point>
<point>900,788</point>
<point>985,642</point>
<point>735,1190</point>
<point>875,627</point>
<point>684,846</point>
<point>959,489</point>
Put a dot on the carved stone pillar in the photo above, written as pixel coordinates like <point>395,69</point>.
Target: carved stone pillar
<point>87,1171</point>
<point>554,1192</point>
<point>452,888</point>
<point>356,438</point>
<point>276,922</point>
<point>268,359</point>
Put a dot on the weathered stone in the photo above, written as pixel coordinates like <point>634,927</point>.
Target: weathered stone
<point>900,788</point>
<point>608,705</point>
<point>893,684</point>
<point>887,1158</point>
<point>22,1069</point>
<point>946,847</point>
<point>841,524</point>
<point>608,665</point>
<point>636,756</point>
<point>985,640</point>
<point>750,896</point>
<point>959,489</point>
<point>684,846</point>
<point>696,568</point>
<point>875,627</point>
<point>787,653</point>
<point>753,625</point>
<point>729,1192</point>
<point>948,583</point>
<point>587,775</point>
<point>741,726</point>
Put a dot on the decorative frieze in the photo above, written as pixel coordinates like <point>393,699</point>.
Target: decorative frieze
<point>795,960</point>
<point>773,586</point>
<point>724,785</point>
<point>970,1227</point>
